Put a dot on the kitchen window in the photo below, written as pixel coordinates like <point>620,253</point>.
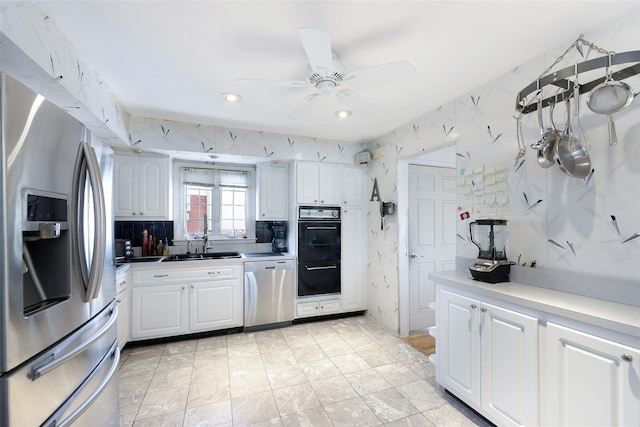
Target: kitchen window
<point>217,200</point>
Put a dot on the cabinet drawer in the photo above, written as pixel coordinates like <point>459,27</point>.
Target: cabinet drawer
<point>182,275</point>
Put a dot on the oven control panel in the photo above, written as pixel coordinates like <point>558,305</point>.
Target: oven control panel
<point>316,212</point>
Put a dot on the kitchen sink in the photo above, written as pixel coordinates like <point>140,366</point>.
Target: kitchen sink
<point>152,258</point>
<point>195,257</point>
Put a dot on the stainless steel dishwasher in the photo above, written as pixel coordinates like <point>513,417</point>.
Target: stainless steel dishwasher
<point>268,292</point>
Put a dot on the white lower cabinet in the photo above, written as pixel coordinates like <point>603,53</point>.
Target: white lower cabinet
<point>317,307</point>
<point>488,357</point>
<point>169,302</point>
<point>124,309</point>
<point>215,305</point>
<point>590,381</point>
<point>159,311</point>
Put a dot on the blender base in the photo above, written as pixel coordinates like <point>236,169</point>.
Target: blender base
<point>496,273</point>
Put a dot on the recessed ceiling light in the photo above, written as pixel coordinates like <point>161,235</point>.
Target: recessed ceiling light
<point>231,97</point>
<point>343,114</point>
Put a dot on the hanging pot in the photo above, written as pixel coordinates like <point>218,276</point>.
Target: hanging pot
<point>609,97</point>
<point>548,142</point>
<point>569,154</point>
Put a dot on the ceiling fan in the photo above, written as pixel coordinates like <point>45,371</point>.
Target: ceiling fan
<point>327,74</point>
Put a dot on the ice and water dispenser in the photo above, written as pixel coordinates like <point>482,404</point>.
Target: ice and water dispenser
<point>46,252</point>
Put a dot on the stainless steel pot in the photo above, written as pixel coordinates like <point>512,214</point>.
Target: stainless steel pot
<point>569,154</point>
<point>549,139</point>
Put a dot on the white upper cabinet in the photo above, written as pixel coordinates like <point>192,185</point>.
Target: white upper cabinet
<point>353,186</point>
<point>141,186</point>
<point>273,192</point>
<point>318,184</point>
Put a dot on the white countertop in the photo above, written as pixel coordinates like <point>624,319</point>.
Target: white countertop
<point>621,318</point>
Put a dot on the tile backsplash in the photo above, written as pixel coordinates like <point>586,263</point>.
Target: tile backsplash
<point>132,230</point>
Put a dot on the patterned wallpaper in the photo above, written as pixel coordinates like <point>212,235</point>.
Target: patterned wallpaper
<point>169,135</point>
<point>54,69</point>
<point>558,222</point>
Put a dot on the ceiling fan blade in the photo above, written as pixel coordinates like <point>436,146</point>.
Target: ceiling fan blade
<point>304,107</point>
<point>382,73</point>
<point>356,102</point>
<point>275,83</point>
<point>317,46</point>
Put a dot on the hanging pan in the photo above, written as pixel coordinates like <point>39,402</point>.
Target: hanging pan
<point>609,97</point>
<point>570,155</point>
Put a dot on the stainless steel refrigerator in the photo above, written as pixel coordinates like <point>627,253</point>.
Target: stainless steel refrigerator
<point>58,341</point>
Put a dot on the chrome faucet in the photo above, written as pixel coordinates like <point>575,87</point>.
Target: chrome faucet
<point>205,238</point>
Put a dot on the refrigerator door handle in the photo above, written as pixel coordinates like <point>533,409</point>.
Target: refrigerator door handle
<point>54,360</point>
<point>87,164</point>
<point>114,353</point>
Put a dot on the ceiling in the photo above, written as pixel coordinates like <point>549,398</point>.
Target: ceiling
<point>172,59</point>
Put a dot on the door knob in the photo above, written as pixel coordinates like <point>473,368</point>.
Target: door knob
<point>413,255</point>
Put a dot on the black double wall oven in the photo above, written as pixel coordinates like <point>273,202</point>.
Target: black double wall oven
<point>318,250</point>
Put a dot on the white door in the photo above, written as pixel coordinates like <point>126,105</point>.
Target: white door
<point>432,236</point>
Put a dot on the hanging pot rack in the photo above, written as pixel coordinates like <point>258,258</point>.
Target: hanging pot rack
<point>559,78</point>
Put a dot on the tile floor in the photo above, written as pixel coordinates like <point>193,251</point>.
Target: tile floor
<point>341,372</point>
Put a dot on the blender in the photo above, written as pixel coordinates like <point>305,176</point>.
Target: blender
<point>490,236</point>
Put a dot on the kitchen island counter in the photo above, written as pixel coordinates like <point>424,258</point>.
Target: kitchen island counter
<point>616,317</point>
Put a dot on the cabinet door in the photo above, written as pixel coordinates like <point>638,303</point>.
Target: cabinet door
<point>458,367</point>
<point>215,305</point>
<point>509,366</point>
<point>307,183</point>
<point>329,306</point>
<point>125,185</point>
<point>353,191</point>
<point>330,184</point>
<point>153,187</point>
<point>590,381</point>
<point>307,309</point>
<point>354,262</point>
<point>123,301</point>
<point>273,191</point>
<point>159,311</point>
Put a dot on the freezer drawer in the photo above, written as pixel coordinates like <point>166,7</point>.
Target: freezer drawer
<point>68,382</point>
<point>268,292</point>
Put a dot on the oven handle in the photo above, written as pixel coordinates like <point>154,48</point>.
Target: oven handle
<point>328,267</point>
<point>322,228</point>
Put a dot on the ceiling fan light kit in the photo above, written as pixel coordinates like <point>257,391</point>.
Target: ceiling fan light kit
<point>343,114</point>
<point>327,75</point>
<point>231,97</point>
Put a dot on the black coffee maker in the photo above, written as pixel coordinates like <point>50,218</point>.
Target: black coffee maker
<point>279,242</point>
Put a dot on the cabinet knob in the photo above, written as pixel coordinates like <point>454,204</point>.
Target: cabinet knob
<point>315,201</point>
<point>141,213</point>
<point>321,201</point>
<point>134,213</point>
<point>119,301</point>
<point>473,306</point>
<point>483,309</point>
<point>183,287</point>
<point>263,214</point>
<point>626,357</point>
<point>191,286</point>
